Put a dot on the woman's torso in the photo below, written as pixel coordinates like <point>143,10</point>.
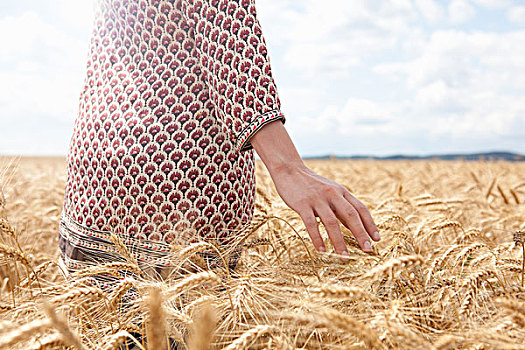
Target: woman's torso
<point>148,157</point>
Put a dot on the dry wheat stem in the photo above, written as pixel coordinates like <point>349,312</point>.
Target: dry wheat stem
<point>121,247</point>
<point>79,293</point>
<point>15,254</point>
<point>249,336</point>
<point>393,264</point>
<point>156,323</point>
<point>115,340</point>
<point>51,341</point>
<point>191,281</point>
<point>23,332</point>
<point>203,328</point>
<point>60,324</point>
<point>341,292</point>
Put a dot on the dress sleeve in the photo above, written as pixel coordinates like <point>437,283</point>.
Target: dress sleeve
<point>233,55</point>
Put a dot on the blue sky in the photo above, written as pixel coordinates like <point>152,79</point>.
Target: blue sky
<point>354,76</point>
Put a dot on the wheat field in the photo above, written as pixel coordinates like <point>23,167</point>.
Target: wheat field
<point>447,274</point>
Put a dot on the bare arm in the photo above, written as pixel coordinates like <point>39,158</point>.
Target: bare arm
<point>235,60</point>
<point>310,194</point>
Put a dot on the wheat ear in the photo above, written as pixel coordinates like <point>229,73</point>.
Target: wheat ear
<point>23,332</point>
<point>60,324</point>
<point>249,336</point>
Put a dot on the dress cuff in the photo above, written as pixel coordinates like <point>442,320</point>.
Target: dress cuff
<point>243,140</point>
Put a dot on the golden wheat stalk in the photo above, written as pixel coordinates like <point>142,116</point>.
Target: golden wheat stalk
<point>191,281</point>
<point>334,319</point>
<point>503,195</point>
<point>515,196</point>
<point>23,332</point>
<point>114,341</point>
<point>393,265</point>
<point>112,268</point>
<point>60,324</point>
<point>341,292</point>
<point>188,251</point>
<point>491,186</point>
<point>156,320</point>
<point>123,250</point>
<point>353,326</point>
<point>92,293</point>
<point>36,272</point>
<point>249,337</point>
<point>203,328</point>
<point>51,341</point>
<point>119,291</point>
<point>15,254</point>
<point>6,228</point>
<point>438,262</point>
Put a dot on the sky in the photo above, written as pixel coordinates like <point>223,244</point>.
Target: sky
<point>355,77</point>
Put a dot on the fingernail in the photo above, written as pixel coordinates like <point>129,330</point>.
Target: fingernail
<point>377,236</point>
<point>367,246</point>
<point>345,255</point>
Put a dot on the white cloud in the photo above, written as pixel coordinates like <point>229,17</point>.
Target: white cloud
<point>436,111</point>
<point>41,68</point>
<point>516,14</point>
<point>466,84</point>
<point>494,3</point>
<point>462,58</point>
<point>460,11</point>
<point>300,102</point>
<point>430,9</point>
<point>363,115</point>
<point>76,14</point>
<point>333,35</point>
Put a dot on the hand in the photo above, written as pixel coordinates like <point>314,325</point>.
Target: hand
<point>311,195</point>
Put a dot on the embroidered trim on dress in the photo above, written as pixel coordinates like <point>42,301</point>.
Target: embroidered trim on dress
<point>243,141</point>
<point>97,245</point>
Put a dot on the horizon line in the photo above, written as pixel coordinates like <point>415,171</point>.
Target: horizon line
<point>411,155</point>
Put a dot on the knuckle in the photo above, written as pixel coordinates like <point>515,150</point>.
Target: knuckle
<point>303,202</point>
<point>360,206</point>
<point>346,190</point>
<point>310,221</point>
<point>310,197</point>
<point>331,190</point>
<point>332,222</point>
<point>352,214</point>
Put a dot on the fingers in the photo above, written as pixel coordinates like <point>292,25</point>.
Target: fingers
<point>331,224</point>
<point>331,206</point>
<point>365,216</point>
<point>312,227</point>
<point>352,220</point>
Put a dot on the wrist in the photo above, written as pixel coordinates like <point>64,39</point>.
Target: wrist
<point>283,166</point>
<point>276,149</point>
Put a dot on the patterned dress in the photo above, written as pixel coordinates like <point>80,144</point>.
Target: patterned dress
<point>161,152</point>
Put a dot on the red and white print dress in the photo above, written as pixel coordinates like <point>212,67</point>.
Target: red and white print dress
<point>160,151</point>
